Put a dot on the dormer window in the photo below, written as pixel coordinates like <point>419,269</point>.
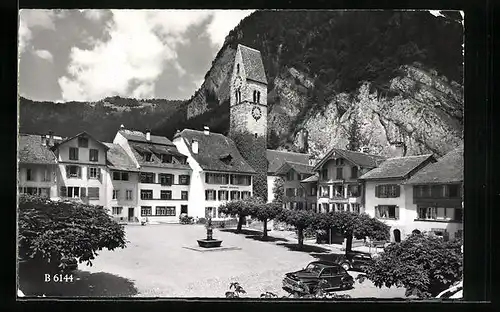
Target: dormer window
<point>166,158</point>
<point>226,159</point>
<point>147,156</point>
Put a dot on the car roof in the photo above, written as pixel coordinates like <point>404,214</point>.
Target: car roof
<point>325,263</point>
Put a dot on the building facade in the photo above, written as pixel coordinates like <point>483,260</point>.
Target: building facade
<point>388,198</point>
<point>163,175</point>
<point>219,172</point>
<point>338,186</point>
<point>297,195</point>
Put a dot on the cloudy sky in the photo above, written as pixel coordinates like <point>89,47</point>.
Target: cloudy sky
<point>86,55</point>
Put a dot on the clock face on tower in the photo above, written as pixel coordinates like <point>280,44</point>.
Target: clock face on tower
<point>237,82</point>
<point>256,113</point>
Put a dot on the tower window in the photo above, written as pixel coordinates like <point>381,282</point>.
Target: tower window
<point>237,68</point>
<point>255,134</point>
<point>254,96</point>
<point>258,96</point>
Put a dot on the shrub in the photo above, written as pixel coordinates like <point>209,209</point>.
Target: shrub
<point>185,219</point>
<point>201,221</point>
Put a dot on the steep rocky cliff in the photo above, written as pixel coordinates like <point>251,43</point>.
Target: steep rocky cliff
<point>399,75</point>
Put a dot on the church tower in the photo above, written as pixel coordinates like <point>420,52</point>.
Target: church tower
<point>248,113</point>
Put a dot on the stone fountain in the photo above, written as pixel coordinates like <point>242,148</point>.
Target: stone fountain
<point>209,242</point>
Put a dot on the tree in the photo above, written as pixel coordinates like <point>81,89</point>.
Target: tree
<point>266,212</point>
<point>301,219</point>
<point>425,265</point>
<point>354,134</point>
<point>278,190</point>
<point>351,224</point>
<point>52,230</point>
<point>240,209</point>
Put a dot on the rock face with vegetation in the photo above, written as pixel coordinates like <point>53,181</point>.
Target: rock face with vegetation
<point>398,75</point>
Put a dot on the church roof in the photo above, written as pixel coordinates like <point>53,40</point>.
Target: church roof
<point>252,62</point>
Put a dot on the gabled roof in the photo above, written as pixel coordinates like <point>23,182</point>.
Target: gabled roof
<point>31,150</point>
<point>397,168</point>
<point>298,167</point>
<point>139,148</point>
<point>118,159</point>
<point>276,159</point>
<point>84,133</point>
<point>138,136</point>
<point>212,149</point>
<point>357,158</point>
<point>448,169</point>
<point>252,62</point>
<point>313,178</point>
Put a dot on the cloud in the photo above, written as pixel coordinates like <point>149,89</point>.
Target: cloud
<point>29,19</point>
<point>44,54</point>
<point>223,22</point>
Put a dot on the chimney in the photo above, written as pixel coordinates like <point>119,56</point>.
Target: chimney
<point>50,142</point>
<point>177,134</point>
<point>148,135</point>
<point>206,130</point>
<point>194,146</point>
<point>122,127</point>
<point>44,140</point>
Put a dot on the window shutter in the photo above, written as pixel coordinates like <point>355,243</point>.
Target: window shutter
<point>396,212</point>
<point>83,192</point>
<point>398,190</point>
<point>99,175</point>
<point>67,172</point>
<point>206,195</point>
<point>377,192</point>
<point>79,171</point>
<point>88,172</point>
<point>62,191</point>
<point>377,213</point>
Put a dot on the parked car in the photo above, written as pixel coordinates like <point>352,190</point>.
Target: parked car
<point>351,260</point>
<point>454,292</point>
<point>307,280</point>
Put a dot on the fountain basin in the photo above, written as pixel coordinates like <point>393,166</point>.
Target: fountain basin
<point>209,243</point>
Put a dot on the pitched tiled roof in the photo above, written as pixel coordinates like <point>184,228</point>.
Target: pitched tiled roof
<point>31,150</point>
<point>252,62</point>
<point>298,167</point>
<point>84,133</point>
<point>118,159</point>
<point>138,136</point>
<point>313,178</point>
<point>212,149</point>
<point>276,159</point>
<point>398,167</point>
<point>358,158</point>
<point>448,169</point>
<point>139,148</point>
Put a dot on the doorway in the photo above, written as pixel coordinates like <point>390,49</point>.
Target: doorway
<point>397,236</point>
<point>131,214</point>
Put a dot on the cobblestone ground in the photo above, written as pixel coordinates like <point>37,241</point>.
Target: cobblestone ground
<point>158,265</point>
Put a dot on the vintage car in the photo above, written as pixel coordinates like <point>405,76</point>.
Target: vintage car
<point>454,292</point>
<point>306,281</point>
<point>351,260</point>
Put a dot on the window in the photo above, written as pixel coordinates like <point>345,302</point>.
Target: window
<point>93,192</point>
<point>74,192</point>
<point>313,207</point>
<point>387,191</point>
<point>290,175</point>
<point>128,195</point>
<point>440,213</point>
<point>254,96</point>
<point>339,161</point>
<point>117,210</point>
<point>146,194</point>
<point>210,195</point>
<point>452,191</point>
<point>355,208</point>
<point>184,195</point>
<point>300,192</point>
<point>166,179</point>
<point>300,205</point>
<point>436,191</point>
<point>387,212</point>
<point>161,211</point>
<point>313,191</point>
<point>184,209</point>
<point>216,178</point>
<point>235,195</point>
<point>290,192</point>
<point>146,211</point>
<point>83,142</point>
<point>223,195</point>
<point>147,157</point>
<point>116,194</point>
<point>340,175</point>
<point>73,172</point>
<point>353,190</point>
<point>171,211</point>
<point>182,160</point>
<point>325,191</point>
<point>245,194</point>
<point>147,177</point>
<point>93,155</point>
<point>166,158</point>
<point>117,175</point>
<point>326,207</point>
<point>240,179</point>
<point>46,175</point>
<point>93,173</point>
<point>324,173</point>
<point>184,179</point>
<point>338,191</point>
<point>166,195</point>
<point>73,153</point>
<point>210,212</point>
<point>29,175</point>
<point>237,69</point>
<point>354,172</point>
<point>258,96</point>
